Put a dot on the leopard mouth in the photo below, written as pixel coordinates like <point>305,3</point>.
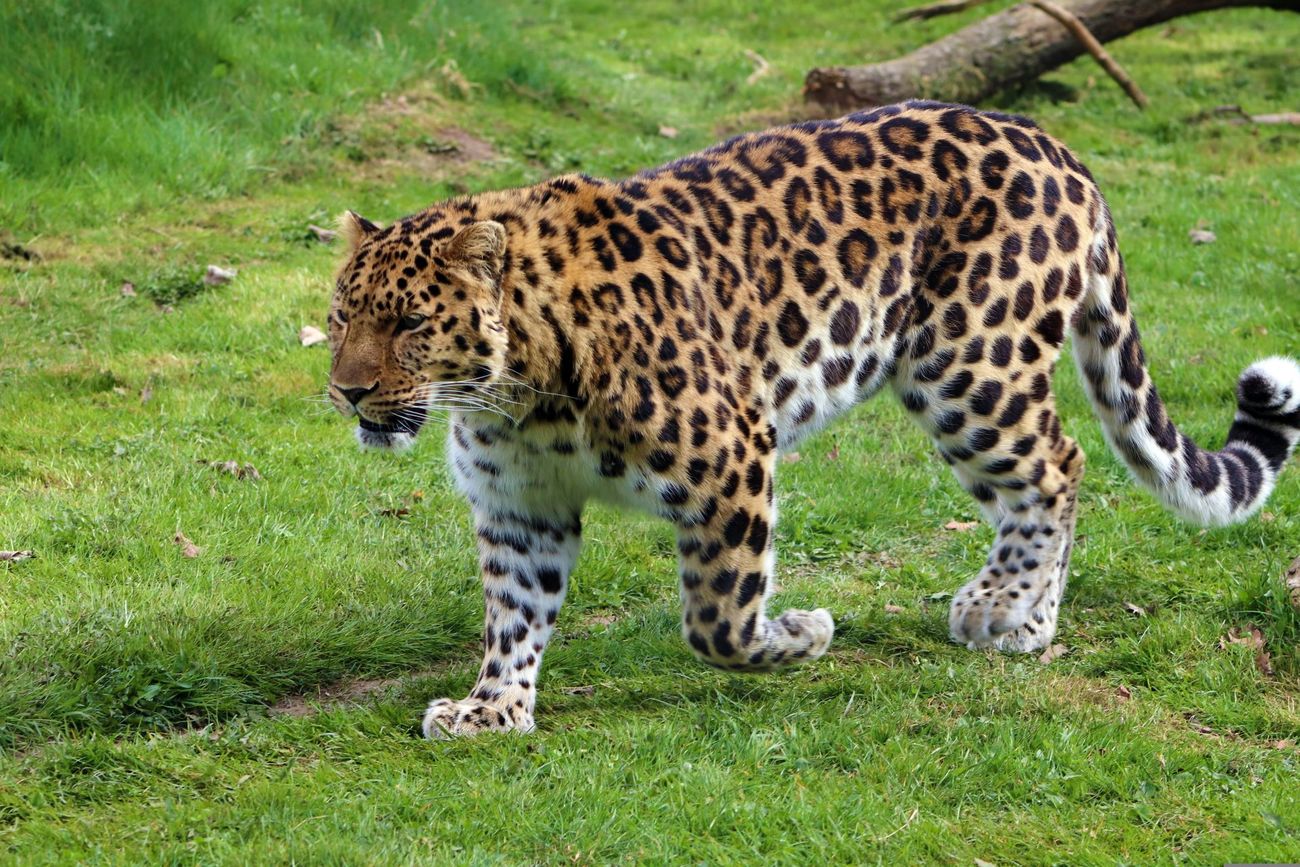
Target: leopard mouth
<point>409,422</point>
<point>396,434</point>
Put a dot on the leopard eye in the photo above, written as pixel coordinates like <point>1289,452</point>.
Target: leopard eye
<point>341,315</point>
<point>410,322</point>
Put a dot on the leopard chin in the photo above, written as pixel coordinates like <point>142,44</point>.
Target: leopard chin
<point>396,436</point>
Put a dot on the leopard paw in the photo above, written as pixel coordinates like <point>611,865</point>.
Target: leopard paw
<point>809,631</point>
<point>1011,617</point>
<point>446,718</point>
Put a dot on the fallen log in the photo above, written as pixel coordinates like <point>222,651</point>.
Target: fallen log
<point>1011,47</point>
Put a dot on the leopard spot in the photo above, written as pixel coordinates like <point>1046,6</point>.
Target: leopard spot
<point>993,168</point>
<point>1022,143</point>
<point>845,323</point>
<point>1067,234</point>
<point>1020,194</point>
<point>1051,196</point>
<point>798,201</point>
<point>855,254</point>
<point>978,223</point>
<point>808,271</point>
<point>792,324</point>
<point>847,149</point>
<point>902,137</point>
<point>829,195</point>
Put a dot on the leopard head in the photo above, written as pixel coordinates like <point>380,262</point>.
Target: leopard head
<point>415,324</point>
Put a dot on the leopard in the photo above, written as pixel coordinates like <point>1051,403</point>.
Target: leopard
<point>657,342</point>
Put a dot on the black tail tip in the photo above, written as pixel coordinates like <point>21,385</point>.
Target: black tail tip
<point>1270,388</point>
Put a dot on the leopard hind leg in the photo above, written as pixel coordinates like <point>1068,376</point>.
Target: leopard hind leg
<point>996,425</point>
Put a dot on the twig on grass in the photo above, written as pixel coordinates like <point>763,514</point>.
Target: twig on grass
<point>916,811</point>
<point>1093,47</point>
<point>761,66</point>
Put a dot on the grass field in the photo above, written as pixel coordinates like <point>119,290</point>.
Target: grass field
<point>259,702</point>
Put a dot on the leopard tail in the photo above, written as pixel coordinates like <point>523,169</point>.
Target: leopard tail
<point>1210,488</point>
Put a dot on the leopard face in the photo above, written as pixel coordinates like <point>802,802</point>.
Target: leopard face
<point>414,324</point>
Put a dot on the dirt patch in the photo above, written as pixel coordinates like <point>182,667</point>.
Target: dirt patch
<point>409,133</point>
<point>435,155</point>
<point>469,148</point>
<point>331,696</point>
<point>1077,691</point>
<point>348,691</point>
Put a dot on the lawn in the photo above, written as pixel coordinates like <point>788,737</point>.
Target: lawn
<point>259,702</point>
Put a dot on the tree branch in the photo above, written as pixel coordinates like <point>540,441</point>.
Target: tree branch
<point>1081,33</point>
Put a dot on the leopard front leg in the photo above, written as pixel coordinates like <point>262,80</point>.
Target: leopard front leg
<point>525,561</point>
<point>727,560</point>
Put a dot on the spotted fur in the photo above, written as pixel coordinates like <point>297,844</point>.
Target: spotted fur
<point>655,342</point>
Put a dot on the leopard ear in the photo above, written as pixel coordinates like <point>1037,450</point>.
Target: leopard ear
<point>356,228</point>
<point>480,246</point>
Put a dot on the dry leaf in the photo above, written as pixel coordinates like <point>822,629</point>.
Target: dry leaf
<point>1251,636</point>
<point>15,556</point>
<point>1267,517</point>
<point>1292,579</point>
<point>1284,744</point>
<point>894,609</point>
<point>961,526</point>
<point>146,394</point>
<point>218,276</point>
<point>834,453</point>
<point>883,559</point>
<point>668,131</point>
<point>1056,651</point>
<point>1123,693</point>
<point>310,335</point>
<point>399,512</point>
<point>795,457</point>
<point>1135,609</point>
<point>1202,236</point>
<point>188,548</point>
<point>980,862</point>
<point>128,289</point>
<point>455,79</point>
<point>119,391</point>
<point>579,690</point>
<point>325,236</point>
<point>236,469</point>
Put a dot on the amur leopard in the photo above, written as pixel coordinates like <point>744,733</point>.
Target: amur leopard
<point>658,341</point>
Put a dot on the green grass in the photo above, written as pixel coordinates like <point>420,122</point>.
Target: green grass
<point>135,682</point>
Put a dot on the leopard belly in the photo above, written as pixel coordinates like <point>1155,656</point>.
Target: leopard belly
<point>544,470</point>
<point>843,364</point>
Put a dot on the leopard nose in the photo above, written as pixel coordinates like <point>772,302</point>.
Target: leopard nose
<point>354,395</point>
